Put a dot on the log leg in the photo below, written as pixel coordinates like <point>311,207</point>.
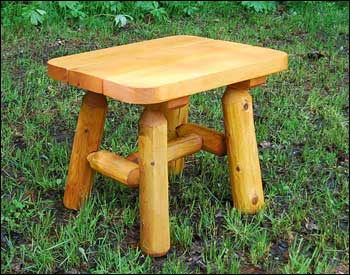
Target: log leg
<point>176,113</point>
<point>153,188</point>
<point>176,117</point>
<point>87,139</point>
<point>242,151</point>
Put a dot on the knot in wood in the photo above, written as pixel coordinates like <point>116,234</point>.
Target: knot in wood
<point>255,200</point>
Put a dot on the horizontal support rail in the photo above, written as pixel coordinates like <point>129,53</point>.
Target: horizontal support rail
<point>126,171</point>
<point>184,146</point>
<point>213,141</point>
<point>115,167</point>
<point>177,148</point>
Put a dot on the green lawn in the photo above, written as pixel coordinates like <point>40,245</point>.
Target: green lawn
<point>302,124</point>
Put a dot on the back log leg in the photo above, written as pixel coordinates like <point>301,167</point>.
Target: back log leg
<point>87,139</point>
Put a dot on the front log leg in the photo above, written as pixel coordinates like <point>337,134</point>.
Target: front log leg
<point>242,150</point>
<point>153,188</point>
<point>176,113</point>
<point>87,139</point>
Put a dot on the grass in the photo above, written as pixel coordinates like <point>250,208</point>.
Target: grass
<point>302,127</point>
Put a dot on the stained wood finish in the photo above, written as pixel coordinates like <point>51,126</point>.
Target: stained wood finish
<point>153,192</point>
<point>242,150</point>
<point>167,68</point>
<point>87,139</point>
<point>115,167</point>
<point>213,141</point>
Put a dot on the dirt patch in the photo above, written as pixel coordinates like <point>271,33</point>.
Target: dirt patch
<point>132,237</point>
<point>61,213</point>
<point>15,237</point>
<point>342,269</point>
<point>194,258</point>
<point>279,251</point>
<point>64,136</point>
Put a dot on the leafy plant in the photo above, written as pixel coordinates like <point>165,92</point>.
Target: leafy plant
<point>260,6</point>
<point>190,10</point>
<point>109,9</point>
<point>35,15</point>
<point>121,20</point>
<point>74,8</point>
<point>112,6</point>
<point>182,7</point>
<point>153,8</point>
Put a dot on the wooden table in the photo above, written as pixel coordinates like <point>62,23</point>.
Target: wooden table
<point>161,75</point>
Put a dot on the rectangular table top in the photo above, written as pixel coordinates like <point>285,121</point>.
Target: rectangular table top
<point>167,68</point>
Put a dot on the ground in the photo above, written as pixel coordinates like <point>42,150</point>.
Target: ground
<point>302,126</point>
